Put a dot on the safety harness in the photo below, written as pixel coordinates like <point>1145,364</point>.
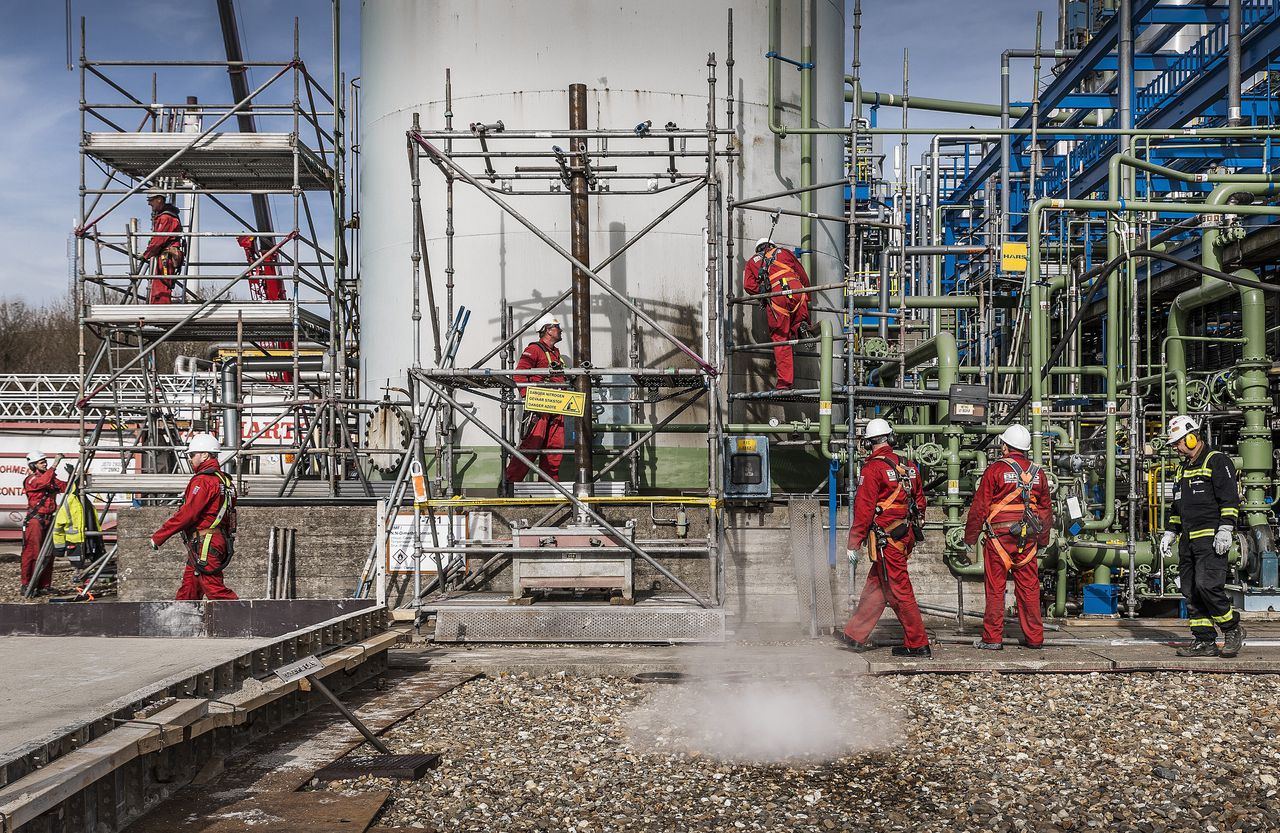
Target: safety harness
<point>765,277</point>
<point>902,526</point>
<point>1026,527</point>
<point>226,515</point>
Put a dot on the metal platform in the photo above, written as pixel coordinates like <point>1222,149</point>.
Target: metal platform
<point>134,680</point>
<point>488,617</point>
<point>218,162</point>
<point>216,322</point>
<point>541,489</point>
<point>255,485</point>
<point>659,379</point>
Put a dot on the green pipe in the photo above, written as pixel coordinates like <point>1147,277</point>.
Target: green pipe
<point>806,142</point>
<point>826,371</point>
<point>948,105</point>
<point>942,347</point>
<point>919,302</point>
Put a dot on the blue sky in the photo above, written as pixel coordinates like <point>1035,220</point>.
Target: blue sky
<point>954,53</point>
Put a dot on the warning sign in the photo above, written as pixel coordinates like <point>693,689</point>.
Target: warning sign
<point>467,527</point>
<point>1013,257</point>
<point>555,401</point>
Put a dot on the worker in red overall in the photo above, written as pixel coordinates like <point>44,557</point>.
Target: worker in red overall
<point>207,523</point>
<point>540,431</point>
<point>42,488</point>
<point>773,269</point>
<point>888,510</point>
<point>165,251</point>
<point>1012,506</point>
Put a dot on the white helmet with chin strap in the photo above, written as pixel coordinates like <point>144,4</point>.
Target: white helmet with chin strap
<point>34,457</point>
<point>1017,436</point>
<point>762,242</point>
<point>548,320</point>
<point>877,429</point>
<point>206,443</point>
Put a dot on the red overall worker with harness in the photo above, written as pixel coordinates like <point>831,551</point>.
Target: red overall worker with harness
<point>1012,506</point>
<point>41,487</point>
<point>888,511</point>
<point>773,269</point>
<point>540,431</point>
<point>207,522</point>
<point>165,251</point>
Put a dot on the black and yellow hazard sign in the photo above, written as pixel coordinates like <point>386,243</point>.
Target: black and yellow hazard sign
<point>555,401</point>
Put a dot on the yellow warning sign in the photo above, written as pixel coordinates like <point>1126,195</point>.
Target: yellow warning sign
<point>1013,257</point>
<point>555,401</point>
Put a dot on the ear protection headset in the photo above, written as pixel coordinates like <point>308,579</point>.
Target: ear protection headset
<point>1191,441</point>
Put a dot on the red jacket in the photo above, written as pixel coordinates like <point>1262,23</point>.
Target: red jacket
<point>538,354</point>
<point>200,505</point>
<point>998,482</point>
<point>876,484</point>
<point>42,490</point>
<point>785,271</point>
<point>166,220</point>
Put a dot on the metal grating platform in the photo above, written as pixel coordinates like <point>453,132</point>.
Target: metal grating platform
<point>216,322</point>
<point>539,489</point>
<point>653,381</point>
<point>219,162</point>
<point>648,621</point>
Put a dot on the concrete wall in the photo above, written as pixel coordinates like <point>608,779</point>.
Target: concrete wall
<point>761,594</point>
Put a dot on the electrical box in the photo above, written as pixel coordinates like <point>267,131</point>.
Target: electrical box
<point>967,405</point>
<point>1100,600</point>
<point>746,467</point>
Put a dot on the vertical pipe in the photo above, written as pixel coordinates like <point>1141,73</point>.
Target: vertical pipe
<point>1234,116</point>
<point>1125,111</point>
<point>1005,147</point>
<point>581,249</point>
<point>806,139</point>
<point>271,565</point>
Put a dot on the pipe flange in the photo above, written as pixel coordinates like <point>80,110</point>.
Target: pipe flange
<point>389,429</point>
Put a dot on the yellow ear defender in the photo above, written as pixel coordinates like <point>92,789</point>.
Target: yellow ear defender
<point>1191,441</point>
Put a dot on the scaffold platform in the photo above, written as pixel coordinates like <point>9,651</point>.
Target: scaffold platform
<point>216,322</point>
<point>217,162</point>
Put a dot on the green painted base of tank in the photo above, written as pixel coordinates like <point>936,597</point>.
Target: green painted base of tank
<point>663,469</point>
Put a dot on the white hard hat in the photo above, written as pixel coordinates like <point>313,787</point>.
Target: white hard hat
<point>877,428</point>
<point>204,442</point>
<point>34,457</point>
<point>1017,436</point>
<point>549,321</point>
<point>1180,426</point>
<point>761,242</point>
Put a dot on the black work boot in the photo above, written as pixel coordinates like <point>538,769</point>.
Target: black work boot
<point>1232,642</point>
<point>850,644</point>
<point>903,651</point>
<point>1200,648</point>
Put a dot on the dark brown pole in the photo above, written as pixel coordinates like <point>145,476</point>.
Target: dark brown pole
<point>581,283</point>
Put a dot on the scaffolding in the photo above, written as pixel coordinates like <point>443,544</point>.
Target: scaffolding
<point>505,164</point>
<point>269,313</point>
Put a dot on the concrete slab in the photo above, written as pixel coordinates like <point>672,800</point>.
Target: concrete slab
<point>1014,659</point>
<point>50,683</point>
<point>1252,660</point>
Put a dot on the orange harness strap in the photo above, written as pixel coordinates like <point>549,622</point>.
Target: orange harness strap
<point>1025,478</point>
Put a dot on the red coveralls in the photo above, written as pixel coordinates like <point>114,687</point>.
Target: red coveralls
<point>545,430</point>
<point>998,502</point>
<point>786,313</point>
<point>168,252</point>
<point>887,580</point>
<point>41,490</point>
<point>196,517</point>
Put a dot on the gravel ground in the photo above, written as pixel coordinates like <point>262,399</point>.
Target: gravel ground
<point>11,579</point>
<point>1157,752</point>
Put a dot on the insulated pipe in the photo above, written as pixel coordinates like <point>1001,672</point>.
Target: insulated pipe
<point>1234,116</point>
<point>826,371</point>
<point>1124,114</point>
<point>230,410</point>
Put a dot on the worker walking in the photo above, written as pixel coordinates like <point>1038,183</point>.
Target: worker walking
<point>888,511</point>
<point>774,269</point>
<point>207,523</point>
<point>77,533</point>
<point>540,432</point>
<point>165,252</point>
<point>1206,507</point>
<point>1012,507</point>
<point>41,488</point>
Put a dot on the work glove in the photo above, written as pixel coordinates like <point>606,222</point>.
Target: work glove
<point>1222,539</point>
<point>1166,543</point>
<point>852,554</point>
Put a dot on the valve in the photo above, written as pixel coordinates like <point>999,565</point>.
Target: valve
<point>875,346</point>
<point>955,539</point>
<point>927,454</point>
<point>1198,395</point>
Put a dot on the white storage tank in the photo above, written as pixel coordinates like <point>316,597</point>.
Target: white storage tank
<point>513,61</point>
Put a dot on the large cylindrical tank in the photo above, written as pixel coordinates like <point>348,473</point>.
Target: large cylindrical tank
<point>514,60</point>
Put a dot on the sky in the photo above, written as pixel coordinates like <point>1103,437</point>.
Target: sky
<point>954,51</point>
